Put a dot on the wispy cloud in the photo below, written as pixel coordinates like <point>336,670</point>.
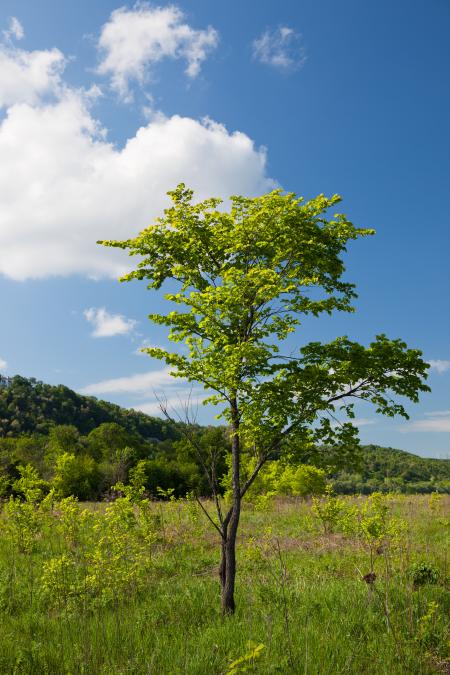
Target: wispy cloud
<point>144,345</point>
<point>3,364</point>
<point>280,48</point>
<point>134,40</point>
<point>14,31</point>
<point>106,324</point>
<point>140,383</point>
<point>357,422</point>
<point>152,390</point>
<point>29,77</point>
<point>438,413</point>
<point>362,421</point>
<point>439,365</point>
<point>437,421</point>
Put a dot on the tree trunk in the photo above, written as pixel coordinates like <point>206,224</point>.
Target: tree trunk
<point>227,570</point>
<point>228,565</point>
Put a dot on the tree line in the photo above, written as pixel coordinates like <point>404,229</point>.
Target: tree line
<point>82,446</point>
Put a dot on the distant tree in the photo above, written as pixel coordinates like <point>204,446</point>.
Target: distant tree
<point>244,279</point>
<point>63,438</point>
<point>76,475</point>
<point>108,438</point>
<point>160,474</point>
<point>30,449</point>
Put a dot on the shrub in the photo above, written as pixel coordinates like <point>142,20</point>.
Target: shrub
<point>422,573</point>
<point>330,510</point>
<point>29,485</point>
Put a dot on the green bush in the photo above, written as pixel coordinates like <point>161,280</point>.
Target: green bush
<point>422,573</point>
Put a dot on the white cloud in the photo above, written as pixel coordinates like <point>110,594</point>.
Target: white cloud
<point>108,325</point>
<point>357,422</point>
<point>439,365</point>
<point>3,364</point>
<point>26,77</point>
<point>281,48</point>
<point>438,413</point>
<point>141,383</point>
<point>175,393</point>
<point>362,421</point>
<point>14,30</point>
<point>133,41</point>
<point>438,421</point>
<point>64,186</point>
<point>144,345</point>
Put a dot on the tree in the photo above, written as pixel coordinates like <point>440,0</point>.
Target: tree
<point>75,475</point>
<point>242,279</point>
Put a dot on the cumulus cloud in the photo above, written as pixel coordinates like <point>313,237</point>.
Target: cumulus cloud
<point>437,421</point>
<point>439,365</point>
<point>280,48</point>
<point>15,30</point>
<point>3,364</point>
<point>27,77</point>
<point>134,40</point>
<point>64,186</point>
<point>106,324</point>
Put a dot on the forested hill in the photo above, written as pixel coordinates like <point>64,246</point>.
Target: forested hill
<point>388,469</point>
<point>87,445</point>
<point>28,406</point>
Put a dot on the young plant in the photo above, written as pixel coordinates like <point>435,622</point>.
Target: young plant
<point>330,510</point>
<point>246,663</point>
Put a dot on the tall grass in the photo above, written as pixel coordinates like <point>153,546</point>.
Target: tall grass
<point>301,594</point>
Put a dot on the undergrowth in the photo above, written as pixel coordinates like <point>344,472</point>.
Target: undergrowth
<point>340,585</point>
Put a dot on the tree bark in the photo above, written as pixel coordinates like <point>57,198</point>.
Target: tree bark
<point>227,570</point>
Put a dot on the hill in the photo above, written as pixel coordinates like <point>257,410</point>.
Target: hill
<point>28,406</point>
<point>389,469</point>
<point>40,422</point>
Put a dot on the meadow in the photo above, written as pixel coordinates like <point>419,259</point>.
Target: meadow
<point>338,585</point>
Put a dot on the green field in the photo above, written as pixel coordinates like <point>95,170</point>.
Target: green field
<point>133,588</point>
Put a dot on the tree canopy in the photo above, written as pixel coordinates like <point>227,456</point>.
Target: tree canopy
<point>244,279</point>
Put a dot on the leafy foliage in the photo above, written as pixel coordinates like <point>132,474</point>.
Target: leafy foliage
<point>422,573</point>
<point>241,281</point>
<point>245,277</point>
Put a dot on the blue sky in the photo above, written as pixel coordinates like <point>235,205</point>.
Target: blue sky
<point>104,107</point>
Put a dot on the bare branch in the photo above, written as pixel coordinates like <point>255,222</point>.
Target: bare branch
<point>219,530</point>
<point>210,477</point>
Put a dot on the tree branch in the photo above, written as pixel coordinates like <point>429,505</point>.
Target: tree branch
<point>350,392</point>
<point>219,530</point>
<point>197,448</point>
